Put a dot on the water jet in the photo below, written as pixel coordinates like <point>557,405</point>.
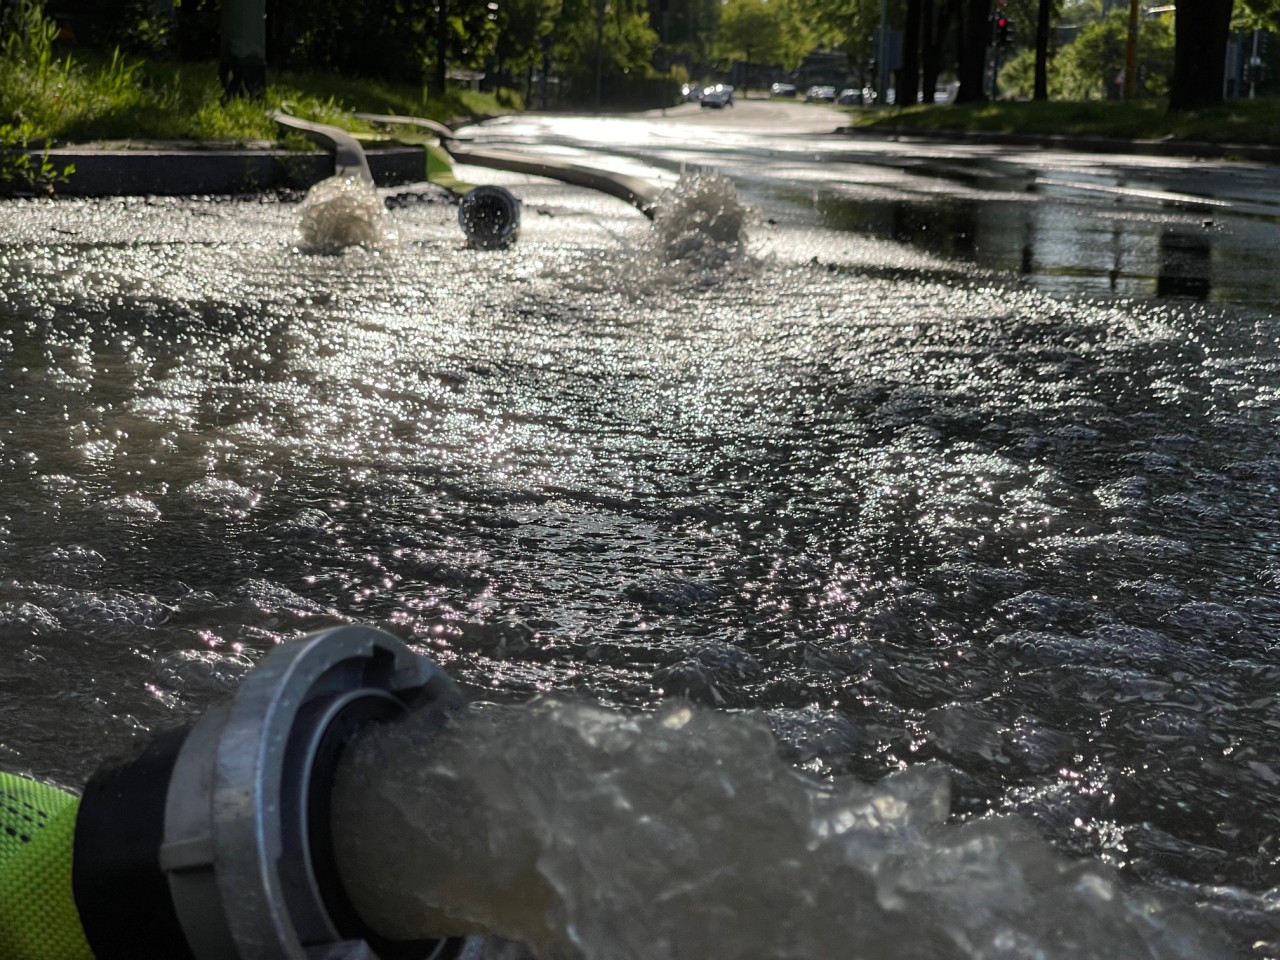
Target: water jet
<point>346,805</point>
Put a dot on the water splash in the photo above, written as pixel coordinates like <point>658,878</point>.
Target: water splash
<point>588,832</point>
<point>701,219</point>
<point>343,212</point>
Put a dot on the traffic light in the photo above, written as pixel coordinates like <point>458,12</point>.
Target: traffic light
<point>1004,31</point>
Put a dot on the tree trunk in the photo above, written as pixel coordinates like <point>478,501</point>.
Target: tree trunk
<point>975,34</point>
<point>1043,17</point>
<point>908,86</point>
<point>934,26</point>
<point>1201,28</point>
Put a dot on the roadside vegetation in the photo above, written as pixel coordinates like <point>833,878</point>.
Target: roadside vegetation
<point>49,94</point>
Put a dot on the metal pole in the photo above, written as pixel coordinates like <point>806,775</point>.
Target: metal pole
<point>1254,62</point>
<point>882,57</point>
<point>1131,54</point>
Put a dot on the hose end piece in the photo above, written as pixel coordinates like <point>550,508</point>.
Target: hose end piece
<point>490,217</point>
<point>214,843</point>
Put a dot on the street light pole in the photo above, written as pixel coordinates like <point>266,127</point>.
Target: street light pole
<point>882,56</point>
<point>1255,62</point>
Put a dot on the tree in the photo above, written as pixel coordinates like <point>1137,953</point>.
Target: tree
<point>525,28</point>
<point>846,24</point>
<point>907,89</point>
<point>1201,28</point>
<point>763,32</point>
<point>975,31</point>
<point>1046,13</point>
<point>1258,15</point>
<point>627,44</point>
<point>1088,68</point>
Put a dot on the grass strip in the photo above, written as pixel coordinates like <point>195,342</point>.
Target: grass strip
<point>1238,121</point>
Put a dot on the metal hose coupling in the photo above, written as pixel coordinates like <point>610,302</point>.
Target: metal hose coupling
<point>213,842</point>
<point>490,217</point>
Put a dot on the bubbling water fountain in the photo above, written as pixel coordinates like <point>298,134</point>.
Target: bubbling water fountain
<point>341,212</point>
<point>701,220</point>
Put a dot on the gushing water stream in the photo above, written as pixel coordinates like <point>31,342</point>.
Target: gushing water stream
<point>604,834</point>
<point>343,212</point>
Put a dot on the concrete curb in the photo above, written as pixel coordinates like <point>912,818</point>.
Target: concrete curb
<point>102,172</point>
<point>165,171</point>
<point>1154,148</point>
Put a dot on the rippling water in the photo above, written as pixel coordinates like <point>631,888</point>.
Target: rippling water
<point>906,510</point>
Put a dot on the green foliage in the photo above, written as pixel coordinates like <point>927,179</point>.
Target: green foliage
<point>626,47</point>
<point>1088,68</point>
<point>524,27</point>
<point>1257,15</point>
<point>44,93</point>
<point>848,24</point>
<point>763,32</point>
<point>23,170</point>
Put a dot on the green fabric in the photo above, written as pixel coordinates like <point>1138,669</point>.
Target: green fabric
<point>440,170</point>
<point>38,917</point>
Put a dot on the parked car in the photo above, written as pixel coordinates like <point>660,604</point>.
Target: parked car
<point>718,96</point>
<point>849,97</point>
<point>782,90</point>
<point>820,94</point>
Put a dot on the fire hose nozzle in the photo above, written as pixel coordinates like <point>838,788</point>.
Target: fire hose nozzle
<point>490,217</point>
<point>226,824</point>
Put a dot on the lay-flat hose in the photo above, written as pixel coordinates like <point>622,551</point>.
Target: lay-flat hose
<point>213,842</point>
<point>38,916</point>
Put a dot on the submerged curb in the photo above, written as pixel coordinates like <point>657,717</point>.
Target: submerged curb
<point>1191,149</point>
<point>102,172</point>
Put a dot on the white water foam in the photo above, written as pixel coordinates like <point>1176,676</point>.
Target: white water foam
<point>343,212</point>
<point>701,219</point>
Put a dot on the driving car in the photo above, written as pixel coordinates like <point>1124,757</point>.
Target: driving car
<point>718,96</point>
<point>820,94</point>
<point>782,90</point>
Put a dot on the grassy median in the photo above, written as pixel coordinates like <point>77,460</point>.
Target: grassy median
<point>1237,121</point>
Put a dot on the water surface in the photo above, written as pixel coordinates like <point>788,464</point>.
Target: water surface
<point>904,509</point>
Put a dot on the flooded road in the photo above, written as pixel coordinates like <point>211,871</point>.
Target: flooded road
<point>1074,222</point>
<point>993,552</point>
